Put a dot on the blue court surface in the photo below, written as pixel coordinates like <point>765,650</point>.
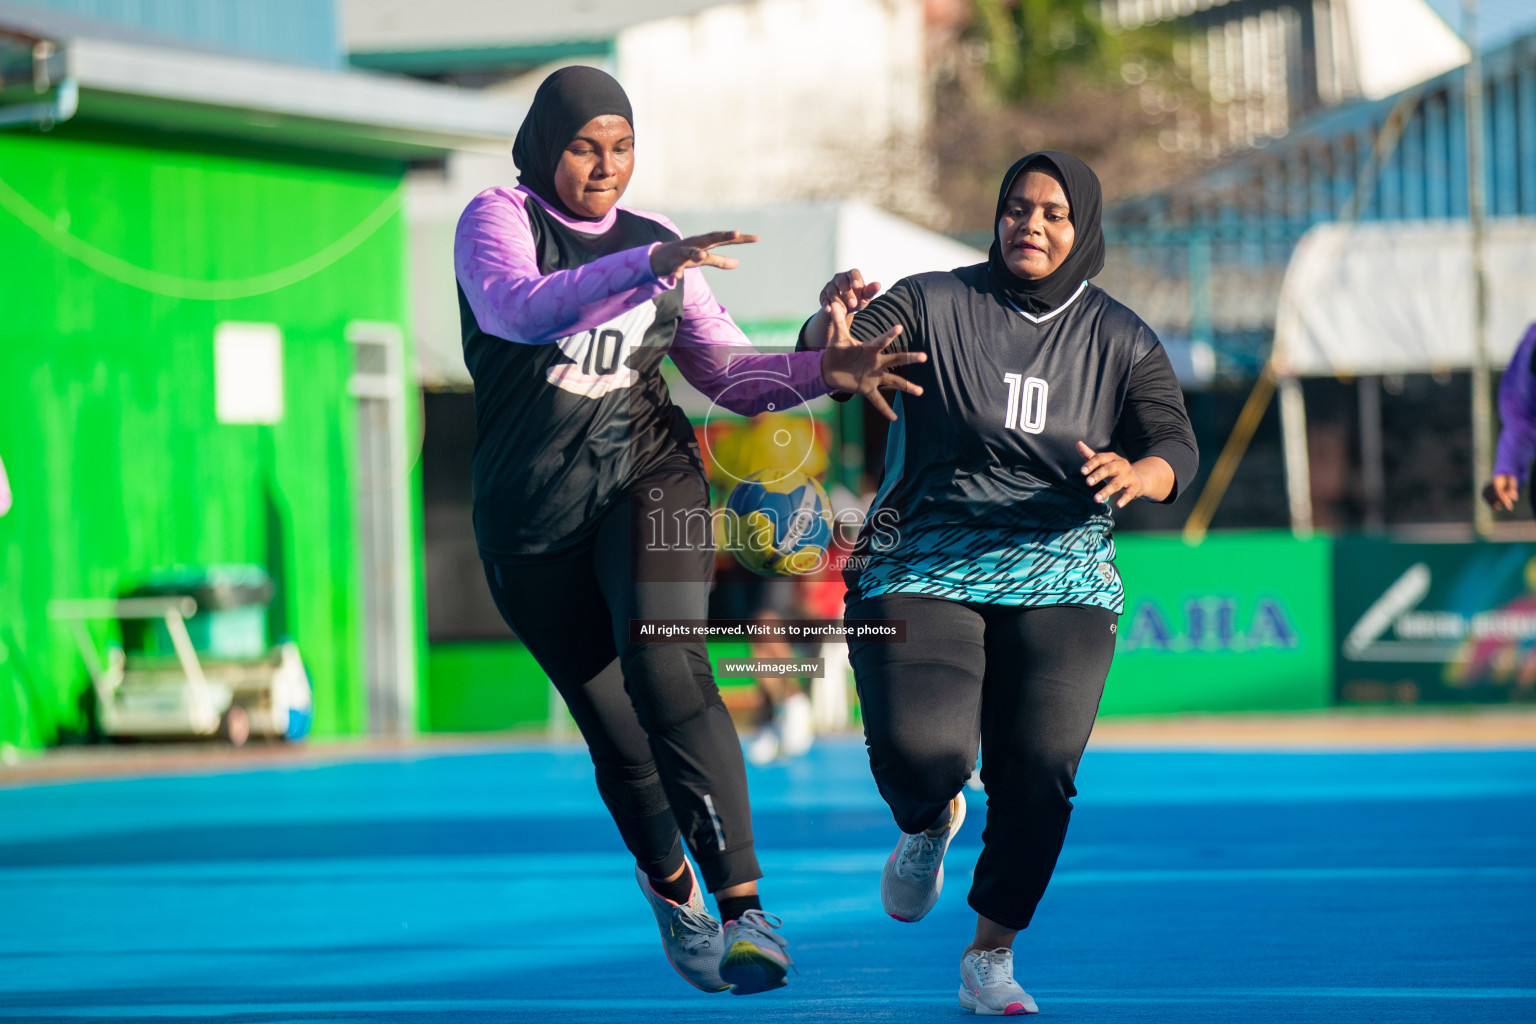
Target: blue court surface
<point>491,887</point>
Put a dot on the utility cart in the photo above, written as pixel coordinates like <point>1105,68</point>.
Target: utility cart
<point>194,661</point>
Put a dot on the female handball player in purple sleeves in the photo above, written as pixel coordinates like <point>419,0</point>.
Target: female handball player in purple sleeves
<point>1517,438</point>
<point>991,537</point>
<point>568,304</point>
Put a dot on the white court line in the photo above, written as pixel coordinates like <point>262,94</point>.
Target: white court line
<point>1092,877</point>
<point>514,868</point>
<point>620,1006</point>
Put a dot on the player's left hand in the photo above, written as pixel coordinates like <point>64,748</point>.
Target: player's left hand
<point>1115,472</point>
<point>848,288</point>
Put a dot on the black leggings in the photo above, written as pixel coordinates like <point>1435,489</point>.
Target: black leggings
<point>1025,684</point>
<point>666,752</point>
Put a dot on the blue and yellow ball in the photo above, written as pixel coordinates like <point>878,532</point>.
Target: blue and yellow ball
<point>778,523</point>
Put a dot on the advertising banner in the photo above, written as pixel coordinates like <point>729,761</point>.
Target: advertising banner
<point>1241,622</point>
<point>1435,622</point>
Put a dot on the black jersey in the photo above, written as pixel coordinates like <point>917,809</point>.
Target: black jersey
<point>983,497</point>
<point>562,428</point>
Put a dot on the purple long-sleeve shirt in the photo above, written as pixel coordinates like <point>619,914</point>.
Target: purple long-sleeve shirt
<point>498,270</point>
<point>1517,409</point>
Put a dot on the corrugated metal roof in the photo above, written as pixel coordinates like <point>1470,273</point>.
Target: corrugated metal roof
<point>291,31</point>
<point>122,79</point>
<point>369,26</point>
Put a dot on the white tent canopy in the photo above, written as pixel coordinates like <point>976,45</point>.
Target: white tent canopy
<point>1391,298</point>
<point>1396,297</point>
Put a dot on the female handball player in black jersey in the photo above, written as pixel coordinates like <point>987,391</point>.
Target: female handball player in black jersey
<point>1046,404</point>
<point>568,305</point>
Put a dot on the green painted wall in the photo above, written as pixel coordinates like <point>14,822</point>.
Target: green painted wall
<point>484,687</point>
<point>495,686</point>
<point>107,424</point>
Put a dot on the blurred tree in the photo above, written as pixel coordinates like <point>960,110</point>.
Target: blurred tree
<point>1012,76</point>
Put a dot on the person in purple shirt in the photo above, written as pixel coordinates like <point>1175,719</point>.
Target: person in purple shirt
<point>1517,441</point>
<point>591,511</point>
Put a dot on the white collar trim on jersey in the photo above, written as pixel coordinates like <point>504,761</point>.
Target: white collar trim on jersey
<point>1042,319</point>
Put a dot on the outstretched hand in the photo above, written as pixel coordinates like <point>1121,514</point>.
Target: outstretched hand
<point>670,258</point>
<point>863,367</point>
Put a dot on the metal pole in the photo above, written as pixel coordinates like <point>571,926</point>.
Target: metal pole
<point>1231,455</point>
<point>1482,400</point>
<point>1201,327</point>
<point>1372,471</point>
<point>1298,461</point>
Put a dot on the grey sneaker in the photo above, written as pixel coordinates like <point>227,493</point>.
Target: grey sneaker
<point>914,875</point>
<point>755,956</point>
<point>987,985</point>
<point>690,936</point>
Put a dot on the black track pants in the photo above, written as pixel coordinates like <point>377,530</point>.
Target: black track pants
<point>666,752</point>
<point>1025,684</point>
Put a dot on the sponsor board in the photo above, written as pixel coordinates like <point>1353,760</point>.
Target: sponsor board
<point>1434,623</point>
<point>1241,622</point>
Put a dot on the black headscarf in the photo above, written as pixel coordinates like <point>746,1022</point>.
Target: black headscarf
<point>1087,256</point>
<point>566,101</point>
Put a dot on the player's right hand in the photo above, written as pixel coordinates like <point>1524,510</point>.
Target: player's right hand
<point>864,367</point>
<point>849,289</point>
<point>1502,492</point>
<point>671,258</point>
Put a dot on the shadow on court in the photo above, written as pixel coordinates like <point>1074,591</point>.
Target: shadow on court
<point>491,887</point>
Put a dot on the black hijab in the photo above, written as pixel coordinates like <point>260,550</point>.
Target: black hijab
<point>1087,256</point>
<point>566,101</point>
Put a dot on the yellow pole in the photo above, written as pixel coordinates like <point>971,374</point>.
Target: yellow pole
<point>1231,454</point>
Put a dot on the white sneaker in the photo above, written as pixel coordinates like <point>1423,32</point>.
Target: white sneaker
<point>987,985</point>
<point>763,748</point>
<point>796,731</point>
<point>755,956</point>
<point>690,936</point>
<point>914,874</point>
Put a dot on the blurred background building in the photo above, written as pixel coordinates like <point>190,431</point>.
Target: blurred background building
<point>232,333</point>
<point>1205,260</point>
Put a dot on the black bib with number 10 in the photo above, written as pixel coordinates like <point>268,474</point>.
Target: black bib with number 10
<point>562,428</point>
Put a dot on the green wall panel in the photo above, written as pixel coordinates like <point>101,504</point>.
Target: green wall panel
<point>1242,622</point>
<point>494,686</point>
<point>484,687</point>
<point>107,423</point>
